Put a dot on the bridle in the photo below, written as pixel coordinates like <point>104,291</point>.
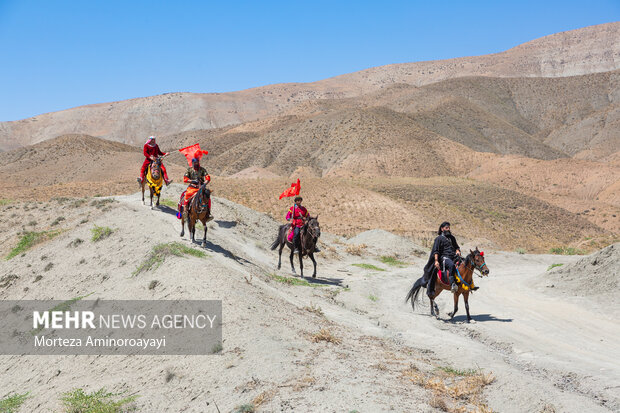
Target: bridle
<point>199,204</point>
<point>312,230</point>
<point>469,259</point>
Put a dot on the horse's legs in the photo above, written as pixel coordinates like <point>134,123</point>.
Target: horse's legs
<point>434,308</point>
<point>142,186</point>
<point>311,255</point>
<point>280,255</point>
<point>204,238</point>
<point>466,299</point>
<point>183,224</point>
<point>456,305</point>
<point>291,258</point>
<point>301,264</point>
<point>192,228</point>
<point>158,196</point>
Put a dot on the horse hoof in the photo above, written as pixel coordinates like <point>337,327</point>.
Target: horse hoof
<point>313,275</point>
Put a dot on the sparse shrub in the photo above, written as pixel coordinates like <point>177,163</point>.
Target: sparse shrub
<point>57,221</point>
<point>100,233</point>
<point>368,267</point>
<point>76,242</point>
<point>217,348</point>
<point>552,266</point>
<point>392,261</point>
<point>78,401</point>
<point>567,251</point>
<point>78,203</point>
<point>29,239</point>
<point>153,284</point>
<point>456,372</point>
<point>168,202</point>
<point>521,251</point>
<point>245,408</point>
<point>291,280</point>
<point>372,297</point>
<point>7,280</point>
<point>12,403</point>
<point>102,204</point>
<point>159,253</point>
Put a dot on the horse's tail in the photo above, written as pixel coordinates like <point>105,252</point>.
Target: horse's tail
<point>415,290</point>
<point>277,242</point>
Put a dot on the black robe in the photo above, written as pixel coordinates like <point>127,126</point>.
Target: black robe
<point>444,246</point>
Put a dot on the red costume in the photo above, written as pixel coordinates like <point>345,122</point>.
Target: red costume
<point>152,149</point>
<point>297,213</point>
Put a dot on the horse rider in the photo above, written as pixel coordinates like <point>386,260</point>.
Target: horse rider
<point>298,215</point>
<point>151,152</point>
<point>195,175</point>
<point>443,256</point>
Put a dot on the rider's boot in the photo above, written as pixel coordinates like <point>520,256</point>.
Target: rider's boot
<point>168,181</point>
<point>453,287</point>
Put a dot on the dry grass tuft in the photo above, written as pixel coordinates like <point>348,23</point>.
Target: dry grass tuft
<point>452,392</point>
<point>354,249</point>
<point>304,383</point>
<point>439,402</point>
<point>263,398</point>
<point>312,308</point>
<point>325,335</point>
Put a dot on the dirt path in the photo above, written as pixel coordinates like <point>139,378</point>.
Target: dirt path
<point>547,352</point>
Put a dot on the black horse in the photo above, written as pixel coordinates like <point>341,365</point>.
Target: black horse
<point>308,237</point>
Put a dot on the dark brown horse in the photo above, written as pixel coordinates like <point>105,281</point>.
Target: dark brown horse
<point>198,208</point>
<point>154,179</point>
<point>308,237</point>
<point>464,275</point>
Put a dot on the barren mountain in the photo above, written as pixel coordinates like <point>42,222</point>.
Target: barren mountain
<point>588,50</point>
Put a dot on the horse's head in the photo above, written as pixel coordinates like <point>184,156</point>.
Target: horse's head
<point>313,227</point>
<point>156,167</point>
<point>477,258</point>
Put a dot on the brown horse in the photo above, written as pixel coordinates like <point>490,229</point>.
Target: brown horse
<point>308,237</point>
<point>197,209</point>
<point>465,271</point>
<point>154,179</point>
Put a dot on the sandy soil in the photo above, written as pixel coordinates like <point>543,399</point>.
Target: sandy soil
<point>547,351</point>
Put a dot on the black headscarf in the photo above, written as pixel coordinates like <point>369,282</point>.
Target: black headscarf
<point>443,224</point>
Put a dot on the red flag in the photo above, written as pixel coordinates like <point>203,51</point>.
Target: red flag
<point>193,151</point>
<point>292,191</point>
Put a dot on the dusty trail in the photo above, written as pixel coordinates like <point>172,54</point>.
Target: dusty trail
<point>545,350</point>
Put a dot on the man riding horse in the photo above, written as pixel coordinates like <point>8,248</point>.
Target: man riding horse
<point>443,256</point>
<point>297,214</point>
<point>151,152</point>
<point>195,175</point>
